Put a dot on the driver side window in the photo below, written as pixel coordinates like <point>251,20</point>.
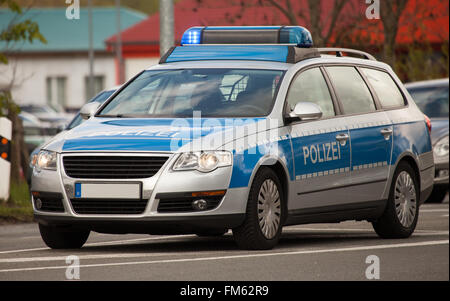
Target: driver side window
<point>310,86</point>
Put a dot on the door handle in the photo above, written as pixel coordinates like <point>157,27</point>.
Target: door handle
<point>342,138</point>
<point>386,133</point>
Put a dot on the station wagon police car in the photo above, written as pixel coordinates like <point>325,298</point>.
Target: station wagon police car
<point>242,128</point>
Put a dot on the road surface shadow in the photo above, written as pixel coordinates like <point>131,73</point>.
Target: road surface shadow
<point>300,239</point>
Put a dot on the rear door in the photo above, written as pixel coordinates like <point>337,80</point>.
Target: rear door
<point>370,132</point>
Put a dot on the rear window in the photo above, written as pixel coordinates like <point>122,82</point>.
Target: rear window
<point>351,90</point>
<point>433,101</point>
<point>387,91</point>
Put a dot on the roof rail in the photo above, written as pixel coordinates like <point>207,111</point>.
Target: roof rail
<point>339,52</point>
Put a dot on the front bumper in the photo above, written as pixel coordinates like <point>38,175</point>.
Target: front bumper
<point>228,214</point>
<point>442,176</point>
<point>145,225</point>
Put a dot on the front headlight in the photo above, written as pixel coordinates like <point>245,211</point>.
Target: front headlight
<point>33,160</point>
<point>45,160</point>
<point>441,148</point>
<point>203,161</point>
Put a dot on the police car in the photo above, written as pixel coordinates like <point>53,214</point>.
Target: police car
<point>242,128</point>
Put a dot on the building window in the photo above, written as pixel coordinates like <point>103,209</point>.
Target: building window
<point>56,91</point>
<point>99,85</point>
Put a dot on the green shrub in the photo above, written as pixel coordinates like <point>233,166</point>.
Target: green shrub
<point>18,208</point>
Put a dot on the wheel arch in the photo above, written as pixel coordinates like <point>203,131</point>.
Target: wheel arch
<point>411,159</point>
<point>282,172</point>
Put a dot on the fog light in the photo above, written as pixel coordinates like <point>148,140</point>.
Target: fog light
<point>199,204</point>
<point>443,173</point>
<point>38,203</point>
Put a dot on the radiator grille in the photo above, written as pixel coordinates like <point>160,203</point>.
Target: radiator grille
<point>112,167</point>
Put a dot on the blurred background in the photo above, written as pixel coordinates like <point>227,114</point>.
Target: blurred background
<point>53,61</point>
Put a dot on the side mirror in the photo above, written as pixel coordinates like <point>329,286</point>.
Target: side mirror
<point>89,109</point>
<point>305,111</point>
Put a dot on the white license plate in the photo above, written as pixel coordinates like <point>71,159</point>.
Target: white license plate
<point>108,190</point>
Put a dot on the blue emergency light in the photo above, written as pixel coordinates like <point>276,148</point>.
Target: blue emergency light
<point>293,35</point>
<point>286,44</point>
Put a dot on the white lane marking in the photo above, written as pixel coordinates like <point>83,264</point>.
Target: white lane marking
<point>434,233</point>
<point>433,210</point>
<point>326,229</point>
<point>348,249</point>
<point>102,243</point>
<point>119,242</point>
<point>23,250</point>
<point>83,257</point>
<point>136,255</point>
<point>29,237</point>
<point>361,231</point>
<point>416,232</point>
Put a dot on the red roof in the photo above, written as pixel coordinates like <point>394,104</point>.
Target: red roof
<point>419,21</point>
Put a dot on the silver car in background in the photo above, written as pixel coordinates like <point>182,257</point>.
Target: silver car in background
<point>76,121</point>
<point>432,98</point>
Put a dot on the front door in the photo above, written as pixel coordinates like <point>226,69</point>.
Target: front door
<point>321,148</point>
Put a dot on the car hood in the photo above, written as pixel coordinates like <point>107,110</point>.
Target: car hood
<point>159,135</point>
<point>439,129</point>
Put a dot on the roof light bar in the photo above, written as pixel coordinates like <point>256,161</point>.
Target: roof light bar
<point>273,53</point>
<point>297,35</point>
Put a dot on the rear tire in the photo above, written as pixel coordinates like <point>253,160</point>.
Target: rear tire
<point>262,227</point>
<point>60,238</point>
<point>438,194</point>
<point>400,217</point>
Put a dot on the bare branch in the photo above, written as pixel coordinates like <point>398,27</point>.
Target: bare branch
<point>285,11</point>
<point>337,9</point>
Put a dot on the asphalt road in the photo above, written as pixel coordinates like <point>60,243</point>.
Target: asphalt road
<point>307,252</point>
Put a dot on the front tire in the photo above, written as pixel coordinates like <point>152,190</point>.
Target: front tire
<point>262,227</point>
<point>60,238</point>
<point>400,217</point>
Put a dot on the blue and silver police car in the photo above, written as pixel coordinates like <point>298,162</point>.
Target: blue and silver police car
<point>242,128</point>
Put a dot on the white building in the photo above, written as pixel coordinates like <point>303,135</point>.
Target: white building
<point>57,73</point>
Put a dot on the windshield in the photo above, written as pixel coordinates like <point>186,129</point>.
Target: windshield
<point>433,101</point>
<point>213,92</point>
<point>100,98</point>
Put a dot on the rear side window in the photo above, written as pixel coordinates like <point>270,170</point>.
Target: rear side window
<point>387,91</point>
<point>351,89</point>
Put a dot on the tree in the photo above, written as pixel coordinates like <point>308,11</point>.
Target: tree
<point>321,33</point>
<point>391,12</point>
<point>17,31</point>
<point>323,18</point>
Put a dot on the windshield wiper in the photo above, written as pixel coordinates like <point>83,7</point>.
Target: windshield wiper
<point>128,116</point>
<point>112,116</point>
